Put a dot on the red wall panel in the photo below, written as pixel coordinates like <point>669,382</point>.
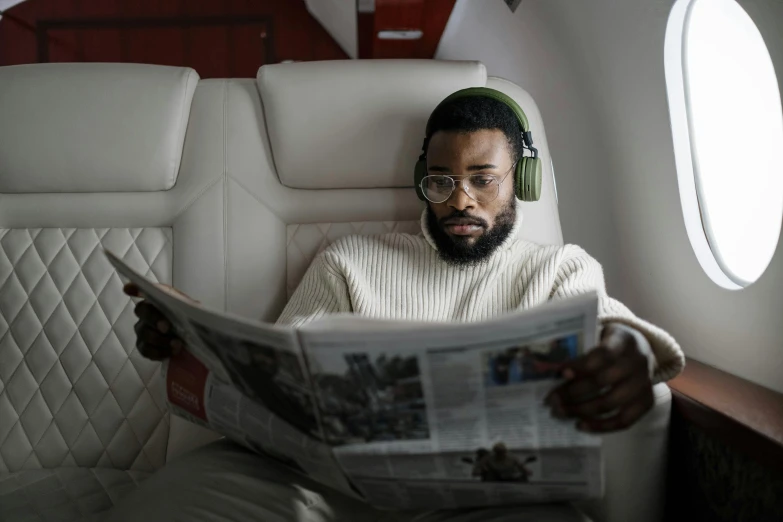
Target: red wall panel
<point>229,38</point>
<point>428,16</point>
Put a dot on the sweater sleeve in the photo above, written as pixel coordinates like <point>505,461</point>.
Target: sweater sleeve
<point>323,291</point>
<point>578,272</point>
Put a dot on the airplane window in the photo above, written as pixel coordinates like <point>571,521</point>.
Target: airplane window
<point>554,180</point>
<point>727,125</point>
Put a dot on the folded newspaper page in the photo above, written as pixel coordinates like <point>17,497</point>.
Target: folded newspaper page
<point>404,415</point>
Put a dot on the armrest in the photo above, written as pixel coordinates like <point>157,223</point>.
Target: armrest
<point>635,468</point>
<point>741,414</point>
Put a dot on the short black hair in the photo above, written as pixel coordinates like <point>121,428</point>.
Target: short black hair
<point>474,113</point>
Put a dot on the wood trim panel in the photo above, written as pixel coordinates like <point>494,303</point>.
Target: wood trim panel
<point>428,16</point>
<point>742,414</point>
<point>182,22</point>
<point>296,35</point>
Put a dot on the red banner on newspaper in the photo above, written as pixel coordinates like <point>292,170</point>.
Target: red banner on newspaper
<point>185,382</point>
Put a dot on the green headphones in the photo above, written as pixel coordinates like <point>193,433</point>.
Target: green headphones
<point>527,176</point>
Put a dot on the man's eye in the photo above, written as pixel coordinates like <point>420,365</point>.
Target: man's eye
<point>483,181</point>
<point>441,182</point>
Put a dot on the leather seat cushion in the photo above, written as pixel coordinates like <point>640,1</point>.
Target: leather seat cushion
<point>63,494</point>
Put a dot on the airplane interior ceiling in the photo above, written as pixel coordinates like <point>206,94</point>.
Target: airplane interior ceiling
<point>596,71</point>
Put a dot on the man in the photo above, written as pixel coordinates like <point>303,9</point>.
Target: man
<point>500,466</point>
<point>468,265</point>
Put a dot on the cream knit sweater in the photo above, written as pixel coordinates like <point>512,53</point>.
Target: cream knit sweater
<point>400,276</point>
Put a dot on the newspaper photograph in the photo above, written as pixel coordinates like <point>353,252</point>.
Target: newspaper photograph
<point>369,399</point>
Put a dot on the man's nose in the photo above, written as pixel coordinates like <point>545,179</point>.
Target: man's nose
<point>459,199</point>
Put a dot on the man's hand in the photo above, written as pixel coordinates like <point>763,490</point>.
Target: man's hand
<point>155,338</point>
<point>609,388</point>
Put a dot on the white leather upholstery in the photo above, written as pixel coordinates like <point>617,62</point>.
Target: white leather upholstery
<point>374,111</point>
<point>81,128</point>
<point>73,392</point>
<point>65,494</point>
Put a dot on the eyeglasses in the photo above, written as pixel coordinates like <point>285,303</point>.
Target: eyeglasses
<point>482,188</point>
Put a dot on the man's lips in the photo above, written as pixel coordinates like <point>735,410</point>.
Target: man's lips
<point>462,227</point>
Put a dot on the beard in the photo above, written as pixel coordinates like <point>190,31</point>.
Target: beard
<point>458,250</point>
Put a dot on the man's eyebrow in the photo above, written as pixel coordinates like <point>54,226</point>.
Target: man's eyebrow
<point>483,167</point>
<point>438,168</point>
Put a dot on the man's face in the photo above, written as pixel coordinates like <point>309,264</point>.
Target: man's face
<point>465,230</point>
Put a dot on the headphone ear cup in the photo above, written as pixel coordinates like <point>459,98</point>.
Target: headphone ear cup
<point>419,171</point>
<point>519,179</point>
<point>528,179</point>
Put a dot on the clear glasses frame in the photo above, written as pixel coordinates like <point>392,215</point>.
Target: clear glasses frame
<point>481,188</point>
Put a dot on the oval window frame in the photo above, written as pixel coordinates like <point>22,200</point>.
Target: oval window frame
<point>697,222</point>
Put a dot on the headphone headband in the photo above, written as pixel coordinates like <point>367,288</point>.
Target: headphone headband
<point>488,93</point>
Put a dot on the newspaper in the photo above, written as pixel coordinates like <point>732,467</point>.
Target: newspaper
<point>403,415</point>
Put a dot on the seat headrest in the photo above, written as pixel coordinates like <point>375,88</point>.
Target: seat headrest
<point>92,127</point>
<point>355,123</point>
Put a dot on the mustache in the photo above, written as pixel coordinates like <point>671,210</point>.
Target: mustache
<point>460,217</point>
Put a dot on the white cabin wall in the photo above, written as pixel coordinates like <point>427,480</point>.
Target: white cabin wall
<point>521,47</point>
<point>617,48</point>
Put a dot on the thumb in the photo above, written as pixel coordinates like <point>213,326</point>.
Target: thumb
<point>613,335</point>
<point>177,293</point>
<point>131,289</point>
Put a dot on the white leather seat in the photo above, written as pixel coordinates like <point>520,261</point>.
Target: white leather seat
<point>90,158</point>
<point>272,171</point>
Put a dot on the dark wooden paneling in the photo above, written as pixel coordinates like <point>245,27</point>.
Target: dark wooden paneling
<point>709,480</point>
<point>238,49</point>
<point>744,415</point>
<point>365,23</point>
<point>393,15</point>
<point>248,44</point>
<point>728,430</point>
<point>428,16</point>
<point>224,46</point>
<point>725,449</point>
<point>436,16</point>
<point>209,51</point>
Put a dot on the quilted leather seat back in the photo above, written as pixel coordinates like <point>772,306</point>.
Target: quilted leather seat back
<point>90,158</point>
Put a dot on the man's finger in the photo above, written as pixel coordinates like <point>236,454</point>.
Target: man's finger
<point>617,398</point>
<point>148,351</point>
<point>626,365</point>
<point>150,315</point>
<point>592,361</point>
<point>579,383</point>
<point>589,388</point>
<point>624,419</point>
<point>151,353</point>
<point>176,293</point>
<point>578,390</point>
<point>155,339</point>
